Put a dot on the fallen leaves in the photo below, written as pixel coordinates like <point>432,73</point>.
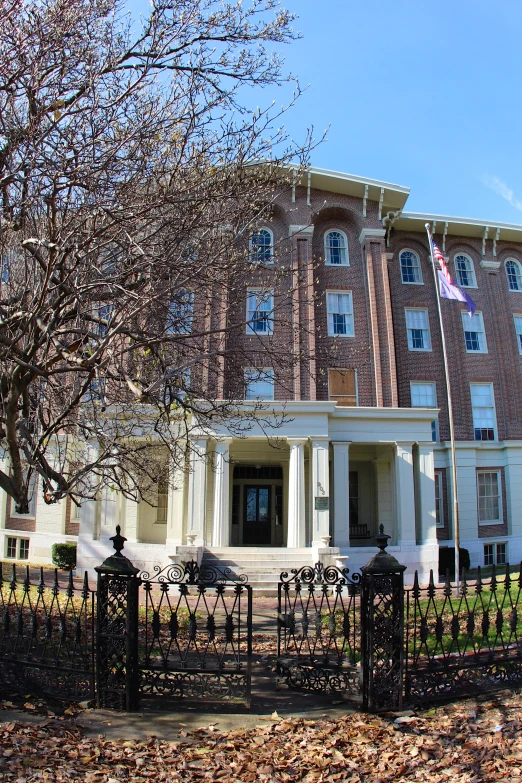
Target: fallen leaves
<point>446,744</point>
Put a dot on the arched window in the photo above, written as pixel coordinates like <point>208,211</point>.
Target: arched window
<point>410,267</point>
<point>336,248</point>
<point>465,271</point>
<point>514,275</point>
<point>262,246</point>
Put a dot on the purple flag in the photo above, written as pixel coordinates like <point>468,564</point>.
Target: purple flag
<point>448,291</point>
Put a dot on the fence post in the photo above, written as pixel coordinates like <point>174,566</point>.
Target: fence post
<point>382,620</point>
<point>117,673</point>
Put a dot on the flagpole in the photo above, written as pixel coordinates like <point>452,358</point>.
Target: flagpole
<point>450,416</point>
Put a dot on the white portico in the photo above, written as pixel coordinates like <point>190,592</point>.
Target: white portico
<point>319,487</point>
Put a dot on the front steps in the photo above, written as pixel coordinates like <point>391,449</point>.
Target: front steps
<point>262,565</point>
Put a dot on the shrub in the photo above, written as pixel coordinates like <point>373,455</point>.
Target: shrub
<point>447,560</point>
<point>64,555</point>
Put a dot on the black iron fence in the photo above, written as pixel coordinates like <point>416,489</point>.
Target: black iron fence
<point>46,634</point>
<point>466,640</point>
<point>185,633</point>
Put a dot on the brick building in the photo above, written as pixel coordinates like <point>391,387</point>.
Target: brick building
<point>365,442</point>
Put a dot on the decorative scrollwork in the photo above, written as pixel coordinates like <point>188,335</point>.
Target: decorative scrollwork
<point>191,573</point>
<point>319,574</point>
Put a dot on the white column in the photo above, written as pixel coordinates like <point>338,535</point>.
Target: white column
<point>221,513</point>
<point>88,508</point>
<point>175,507</point>
<point>426,484</point>
<point>296,535</point>
<point>321,492</point>
<point>404,494</point>
<point>130,524</point>
<point>341,477</point>
<point>197,491</point>
<point>3,495</point>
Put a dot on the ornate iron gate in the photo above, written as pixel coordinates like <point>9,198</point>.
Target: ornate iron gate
<point>196,640</point>
<point>319,630</point>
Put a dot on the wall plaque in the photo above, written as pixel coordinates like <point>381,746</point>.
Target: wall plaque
<point>322,504</point>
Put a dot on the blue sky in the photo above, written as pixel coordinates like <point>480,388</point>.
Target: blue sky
<point>421,94</point>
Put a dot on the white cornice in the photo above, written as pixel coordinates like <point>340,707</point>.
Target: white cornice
<point>306,231</point>
<point>371,233</point>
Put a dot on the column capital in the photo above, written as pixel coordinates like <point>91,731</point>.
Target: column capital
<point>224,441</point>
<point>297,441</point>
<point>375,234</point>
<point>341,443</point>
<point>303,231</point>
<point>319,439</point>
<point>194,438</point>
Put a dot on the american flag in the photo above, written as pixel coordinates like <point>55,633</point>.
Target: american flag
<point>442,262</point>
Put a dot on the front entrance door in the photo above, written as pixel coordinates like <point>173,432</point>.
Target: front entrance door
<point>257,524</point>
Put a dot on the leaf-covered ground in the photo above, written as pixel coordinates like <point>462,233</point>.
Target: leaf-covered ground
<point>472,741</point>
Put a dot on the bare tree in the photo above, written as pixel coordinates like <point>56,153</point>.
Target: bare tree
<point>130,181</point>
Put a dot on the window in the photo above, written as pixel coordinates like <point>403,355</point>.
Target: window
<point>259,384</point>
<point>260,311</point>
<point>488,497</point>
<point>17,548</point>
<point>423,395</point>
<point>340,313</point>
<point>342,387</point>
<point>439,508</point>
<point>483,407</point>
<point>181,312</point>
<point>418,329</point>
<point>410,267</point>
<point>514,275</point>
<point>261,247</point>
<point>336,248</point>
<point>474,333</point>
<point>465,271</point>
<point>162,503</point>
<point>495,554</point>
<point>518,331</point>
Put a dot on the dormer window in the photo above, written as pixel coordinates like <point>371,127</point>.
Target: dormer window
<point>261,247</point>
<point>336,248</point>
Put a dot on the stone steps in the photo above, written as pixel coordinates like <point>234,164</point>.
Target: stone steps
<point>262,565</point>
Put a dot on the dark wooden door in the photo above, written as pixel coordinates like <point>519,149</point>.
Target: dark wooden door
<point>257,519</point>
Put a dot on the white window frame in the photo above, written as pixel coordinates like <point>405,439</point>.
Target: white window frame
<point>418,268</point>
<point>17,540</point>
<point>262,296</point>
<point>439,485</point>
<point>434,423</point>
<point>518,275</point>
<point>252,257</point>
<point>470,271</point>
<point>407,310</point>
<point>517,317</point>
<point>467,321</point>
<point>350,330</point>
<point>327,249</point>
<point>162,509</point>
<point>500,520</point>
<point>494,553</point>
<point>493,408</point>
<point>263,375</point>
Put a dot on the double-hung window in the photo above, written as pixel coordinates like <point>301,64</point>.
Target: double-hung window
<point>483,408</point>
<point>261,247</point>
<point>489,497</point>
<point>423,395</point>
<point>181,312</point>
<point>410,267</point>
<point>474,334</point>
<point>336,248</point>
<point>514,275</point>
<point>495,554</point>
<point>439,499</point>
<point>259,383</point>
<point>518,331</point>
<point>465,271</point>
<point>418,329</point>
<point>340,313</point>
<point>260,311</point>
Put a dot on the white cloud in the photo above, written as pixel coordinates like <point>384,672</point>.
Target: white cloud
<point>501,189</point>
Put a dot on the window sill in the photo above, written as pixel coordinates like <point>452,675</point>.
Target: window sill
<point>411,282</point>
<point>337,265</point>
<point>420,350</point>
<point>340,335</point>
<point>491,522</point>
